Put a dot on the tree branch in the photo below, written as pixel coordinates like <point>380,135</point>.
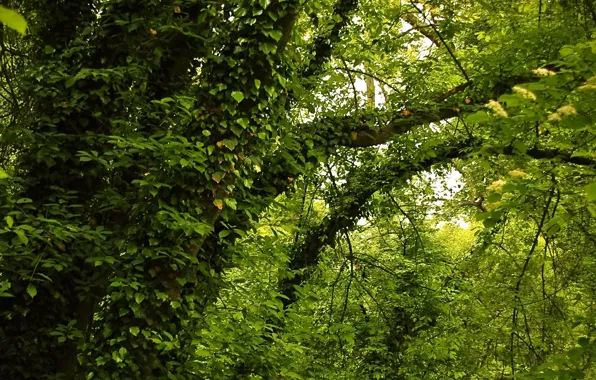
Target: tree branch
<point>362,184</point>
<point>457,63</point>
<point>323,44</point>
<point>420,28</point>
<point>364,181</point>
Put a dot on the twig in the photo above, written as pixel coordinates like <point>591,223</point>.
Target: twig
<point>461,68</point>
<point>369,75</point>
<point>351,81</point>
<point>521,276</point>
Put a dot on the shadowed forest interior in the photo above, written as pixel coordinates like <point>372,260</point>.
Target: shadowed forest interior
<point>297,189</point>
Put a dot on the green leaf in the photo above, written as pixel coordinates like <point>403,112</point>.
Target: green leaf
<point>520,146</point>
<point>230,143</point>
<point>478,117</point>
<point>131,247</point>
<point>490,222</point>
<point>244,123</point>
<point>13,20</point>
<point>134,330</point>
<point>217,176</point>
<point>22,237</point>
<point>348,338</point>
<point>218,203</point>
<point>231,202</point>
<point>3,174</point>
<point>238,96</point>
<point>566,51</point>
<point>139,297</point>
<point>510,100</point>
<point>257,84</point>
<point>116,357</point>
<point>276,34</point>
<point>31,290</point>
<point>202,228</point>
<point>268,48</point>
<point>9,221</point>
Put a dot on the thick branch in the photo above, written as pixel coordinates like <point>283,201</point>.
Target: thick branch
<point>370,129</point>
<point>354,195</point>
<point>374,128</point>
<point>365,181</point>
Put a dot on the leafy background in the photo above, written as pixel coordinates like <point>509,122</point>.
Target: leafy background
<point>282,189</point>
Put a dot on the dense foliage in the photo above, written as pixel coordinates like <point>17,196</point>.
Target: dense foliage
<point>292,189</point>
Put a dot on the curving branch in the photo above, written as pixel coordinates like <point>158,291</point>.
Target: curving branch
<point>354,195</point>
<point>365,181</point>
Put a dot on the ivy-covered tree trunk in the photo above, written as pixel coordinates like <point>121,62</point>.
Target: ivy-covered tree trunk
<point>140,150</point>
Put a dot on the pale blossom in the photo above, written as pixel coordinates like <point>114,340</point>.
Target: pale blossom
<point>524,93</point>
<point>496,185</point>
<point>497,108</point>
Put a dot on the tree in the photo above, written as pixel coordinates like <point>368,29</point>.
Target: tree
<point>148,137</point>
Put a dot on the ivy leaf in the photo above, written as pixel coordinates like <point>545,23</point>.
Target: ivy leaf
<point>276,34</point>
<point>238,96</point>
<point>13,20</point>
<point>230,143</point>
<point>218,203</point>
<point>244,123</point>
<point>139,297</point>
<point>231,202</point>
<point>134,330</point>
<point>31,290</point>
<point>131,247</point>
<point>217,176</point>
